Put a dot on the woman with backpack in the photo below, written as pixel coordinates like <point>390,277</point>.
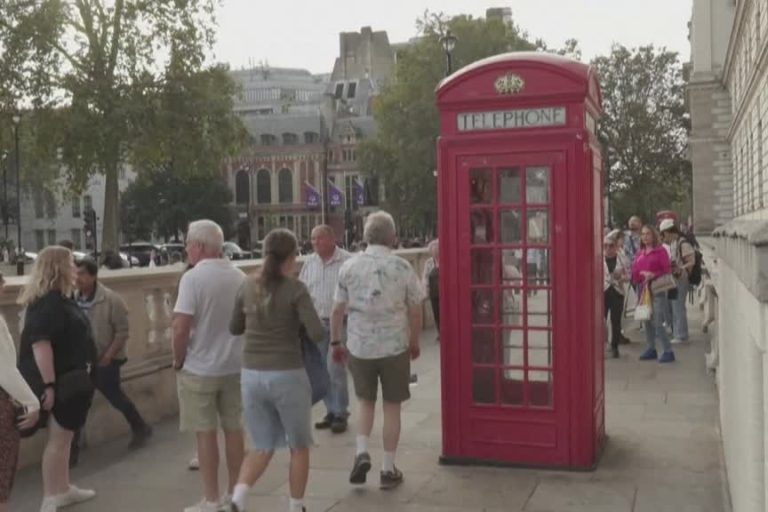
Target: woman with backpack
<point>683,258</point>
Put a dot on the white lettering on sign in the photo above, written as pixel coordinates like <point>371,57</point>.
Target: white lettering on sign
<point>511,119</point>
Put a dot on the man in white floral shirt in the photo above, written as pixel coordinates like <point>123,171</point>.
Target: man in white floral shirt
<point>382,295</point>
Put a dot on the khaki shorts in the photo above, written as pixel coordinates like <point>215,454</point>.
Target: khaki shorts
<point>394,373</point>
<point>207,402</point>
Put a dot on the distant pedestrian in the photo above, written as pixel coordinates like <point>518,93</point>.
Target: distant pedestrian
<point>683,259</point>
<point>19,409</point>
<point>56,356</point>
<point>430,280</point>
<point>651,263</point>
<point>320,273</point>
<point>207,358</point>
<point>616,274</point>
<point>633,243</point>
<point>108,315</point>
<point>383,296</point>
<point>277,394</point>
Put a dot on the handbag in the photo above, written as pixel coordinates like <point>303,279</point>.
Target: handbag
<point>317,368</point>
<point>663,284</point>
<point>73,384</point>
<point>643,310</point>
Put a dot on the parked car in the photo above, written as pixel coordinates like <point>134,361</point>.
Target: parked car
<point>142,251</point>
<point>175,252</point>
<point>233,251</point>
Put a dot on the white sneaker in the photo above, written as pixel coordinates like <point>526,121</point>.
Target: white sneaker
<point>193,464</point>
<point>74,496</point>
<point>676,341</point>
<point>205,506</point>
<point>49,504</point>
<point>225,505</point>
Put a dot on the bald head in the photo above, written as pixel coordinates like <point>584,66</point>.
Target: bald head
<point>324,241</point>
<point>635,223</point>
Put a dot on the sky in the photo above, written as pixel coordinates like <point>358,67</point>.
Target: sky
<point>304,33</point>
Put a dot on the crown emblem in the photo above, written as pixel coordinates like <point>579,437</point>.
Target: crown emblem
<point>509,84</point>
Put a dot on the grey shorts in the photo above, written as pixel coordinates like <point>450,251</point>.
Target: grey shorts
<point>277,407</point>
<point>393,372</point>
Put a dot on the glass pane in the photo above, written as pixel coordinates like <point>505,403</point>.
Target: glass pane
<point>538,308</point>
<point>482,266</point>
<point>512,272</point>
<point>511,307</point>
<point>481,226</point>
<point>512,346</point>
<point>483,386</point>
<point>480,186</point>
<point>483,307</point>
<point>540,389</point>
<point>537,185</point>
<point>512,384</point>
<point>483,346</point>
<point>509,186</point>
<point>540,349</point>
<point>509,226</point>
<point>538,226</point>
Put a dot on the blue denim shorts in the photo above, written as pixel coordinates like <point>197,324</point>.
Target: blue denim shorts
<point>277,408</point>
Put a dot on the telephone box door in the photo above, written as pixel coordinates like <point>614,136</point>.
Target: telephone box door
<point>514,403</point>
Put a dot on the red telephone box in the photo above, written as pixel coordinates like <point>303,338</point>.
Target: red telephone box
<point>520,190</point>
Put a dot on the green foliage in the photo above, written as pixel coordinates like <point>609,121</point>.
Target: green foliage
<point>644,131</point>
<point>164,202</point>
<point>403,154</point>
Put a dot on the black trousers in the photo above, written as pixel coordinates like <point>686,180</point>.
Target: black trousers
<point>435,301</point>
<point>614,306</point>
<point>108,383</point>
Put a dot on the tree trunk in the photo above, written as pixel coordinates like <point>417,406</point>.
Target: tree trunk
<point>111,228</point>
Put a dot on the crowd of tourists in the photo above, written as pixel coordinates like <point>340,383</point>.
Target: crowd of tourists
<point>650,270</point>
<point>252,353</point>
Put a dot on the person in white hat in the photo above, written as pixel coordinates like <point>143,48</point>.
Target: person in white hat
<point>683,257</point>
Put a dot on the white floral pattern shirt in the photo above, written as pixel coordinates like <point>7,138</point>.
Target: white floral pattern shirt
<point>378,288</point>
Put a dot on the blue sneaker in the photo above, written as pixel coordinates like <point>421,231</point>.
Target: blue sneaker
<point>667,357</point>
<point>649,355</point>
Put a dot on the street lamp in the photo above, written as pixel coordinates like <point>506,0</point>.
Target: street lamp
<point>16,118</point>
<point>448,41</point>
<point>5,193</point>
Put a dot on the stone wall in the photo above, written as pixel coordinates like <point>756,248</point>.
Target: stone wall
<point>148,376</point>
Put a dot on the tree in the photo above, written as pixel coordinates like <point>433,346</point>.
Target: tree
<point>163,203</point>
<point>644,131</point>
<point>132,86</point>
<point>403,153</point>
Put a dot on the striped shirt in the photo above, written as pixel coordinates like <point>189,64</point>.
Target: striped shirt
<point>321,279</point>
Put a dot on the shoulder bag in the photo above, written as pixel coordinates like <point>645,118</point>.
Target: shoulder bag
<point>663,284</point>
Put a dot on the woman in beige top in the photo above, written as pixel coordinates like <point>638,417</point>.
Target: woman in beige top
<point>15,395</point>
<point>277,400</point>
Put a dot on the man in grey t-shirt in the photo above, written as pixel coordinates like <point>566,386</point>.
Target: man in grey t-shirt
<point>207,358</point>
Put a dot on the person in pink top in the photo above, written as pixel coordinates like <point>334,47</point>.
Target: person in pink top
<point>651,262</point>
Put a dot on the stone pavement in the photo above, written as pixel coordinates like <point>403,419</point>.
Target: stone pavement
<point>663,455</point>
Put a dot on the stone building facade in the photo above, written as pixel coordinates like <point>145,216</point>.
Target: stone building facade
<point>729,149</point>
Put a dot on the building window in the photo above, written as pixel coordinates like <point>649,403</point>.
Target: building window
<point>51,237</point>
<point>40,239</point>
<point>351,90</point>
<point>242,187</point>
<point>311,138</point>
<point>87,203</point>
<point>267,139</point>
<point>285,186</point>
<point>76,237</point>
<point>50,204</point>
<point>76,207</point>
<point>290,139</point>
<point>339,91</point>
<point>263,187</point>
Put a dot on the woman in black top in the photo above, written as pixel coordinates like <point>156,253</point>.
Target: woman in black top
<point>56,354</point>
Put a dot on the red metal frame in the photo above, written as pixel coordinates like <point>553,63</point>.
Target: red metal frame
<point>490,415</point>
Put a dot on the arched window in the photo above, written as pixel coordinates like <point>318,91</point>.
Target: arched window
<point>290,139</point>
<point>311,137</point>
<point>285,186</point>
<point>267,139</point>
<point>242,186</point>
<point>263,187</point>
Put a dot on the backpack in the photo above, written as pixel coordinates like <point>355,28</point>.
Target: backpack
<point>694,277</point>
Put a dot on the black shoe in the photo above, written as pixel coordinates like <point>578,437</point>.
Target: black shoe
<point>390,479</point>
<point>326,423</point>
<point>141,436</point>
<point>338,425</point>
<point>360,469</point>
<point>615,352</point>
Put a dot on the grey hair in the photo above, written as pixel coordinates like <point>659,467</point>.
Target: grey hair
<point>380,229</point>
<point>206,233</point>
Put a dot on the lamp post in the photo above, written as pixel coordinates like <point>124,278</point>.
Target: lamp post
<point>5,194</point>
<point>448,41</point>
<point>19,251</point>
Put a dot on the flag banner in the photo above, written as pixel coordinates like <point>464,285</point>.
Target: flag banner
<point>358,193</point>
<point>335,197</point>
<point>312,195</point>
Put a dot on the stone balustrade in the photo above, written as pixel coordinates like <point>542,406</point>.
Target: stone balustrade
<point>148,376</point>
